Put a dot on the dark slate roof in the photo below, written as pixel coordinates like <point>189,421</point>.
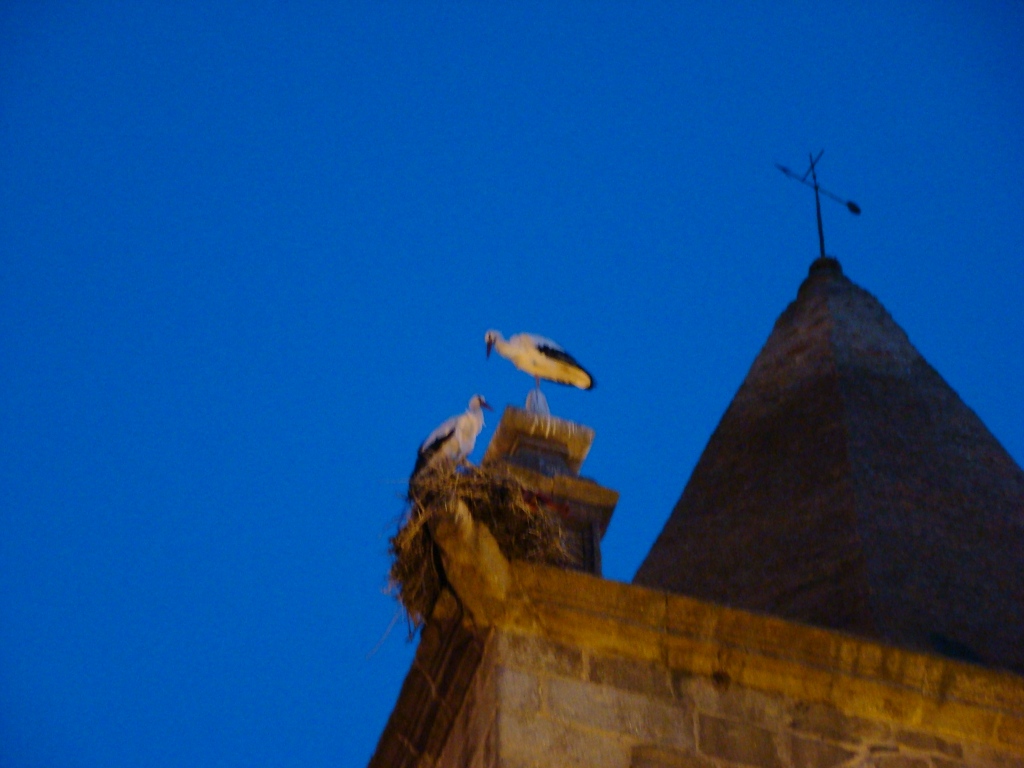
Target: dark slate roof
<point>848,486</point>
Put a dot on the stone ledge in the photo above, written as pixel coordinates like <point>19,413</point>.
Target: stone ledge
<point>860,678</point>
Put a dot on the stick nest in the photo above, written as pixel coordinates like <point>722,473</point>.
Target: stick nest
<point>519,521</point>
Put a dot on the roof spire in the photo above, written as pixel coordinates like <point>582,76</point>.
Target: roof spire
<point>851,206</point>
<point>848,486</point>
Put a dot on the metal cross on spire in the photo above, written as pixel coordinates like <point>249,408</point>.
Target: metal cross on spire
<point>851,206</point>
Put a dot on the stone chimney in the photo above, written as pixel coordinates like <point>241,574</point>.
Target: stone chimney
<point>545,454</point>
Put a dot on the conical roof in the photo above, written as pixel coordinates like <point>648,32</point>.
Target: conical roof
<point>848,486</point>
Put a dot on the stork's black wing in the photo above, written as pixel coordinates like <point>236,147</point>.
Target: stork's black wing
<point>429,448</point>
<point>559,354</point>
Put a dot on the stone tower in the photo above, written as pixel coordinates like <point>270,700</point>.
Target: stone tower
<point>840,584</point>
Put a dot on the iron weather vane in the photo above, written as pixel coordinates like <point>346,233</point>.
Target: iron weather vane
<point>851,206</point>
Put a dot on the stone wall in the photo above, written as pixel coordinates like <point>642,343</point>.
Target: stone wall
<point>536,703</point>
<point>528,666</point>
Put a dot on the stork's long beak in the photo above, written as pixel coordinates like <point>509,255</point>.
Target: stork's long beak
<point>485,404</point>
<point>489,345</point>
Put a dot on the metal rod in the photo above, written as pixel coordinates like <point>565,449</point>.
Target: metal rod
<point>850,205</point>
<point>817,205</point>
<point>814,161</point>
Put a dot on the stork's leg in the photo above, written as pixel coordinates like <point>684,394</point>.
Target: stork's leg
<point>536,403</point>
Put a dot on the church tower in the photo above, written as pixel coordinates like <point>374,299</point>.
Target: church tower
<point>840,584</point>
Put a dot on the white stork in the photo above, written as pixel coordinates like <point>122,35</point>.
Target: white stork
<point>454,439</point>
<point>541,358</point>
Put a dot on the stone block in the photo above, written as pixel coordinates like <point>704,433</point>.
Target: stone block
<point>823,720</point>
<point>982,755</point>
<point>695,619</point>
<point>598,631</point>
<point>814,753</point>
<point>630,714</point>
<point>898,761</point>
<point>647,677</point>
<point>515,762</point>
<point>738,742</point>
<point>622,602</point>
<point>724,698</point>
<point>690,617</point>
<point>653,756</point>
<point>928,743</point>
<point>535,653</point>
<point>518,690</point>
<point>956,719</point>
<point>536,740</point>
<point>1011,731</point>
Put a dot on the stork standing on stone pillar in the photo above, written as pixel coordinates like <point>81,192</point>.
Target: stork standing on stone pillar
<point>541,358</point>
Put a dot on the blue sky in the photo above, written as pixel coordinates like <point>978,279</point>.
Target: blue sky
<point>248,253</point>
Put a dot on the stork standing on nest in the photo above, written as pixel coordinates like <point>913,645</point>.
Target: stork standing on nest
<point>454,439</point>
<point>541,358</point>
